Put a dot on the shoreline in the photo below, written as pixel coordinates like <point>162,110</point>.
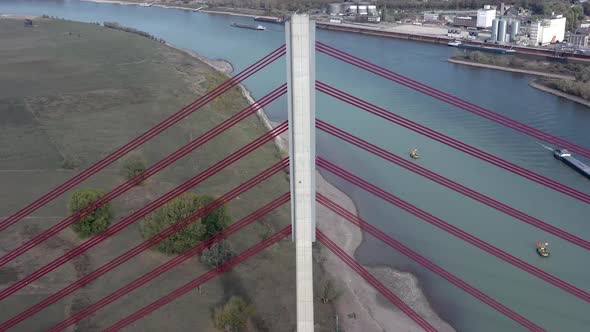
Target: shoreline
<point>513,70</point>
<point>197,10</point>
<point>360,298</point>
<point>558,93</point>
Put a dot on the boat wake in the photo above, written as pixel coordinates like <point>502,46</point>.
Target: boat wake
<point>546,147</point>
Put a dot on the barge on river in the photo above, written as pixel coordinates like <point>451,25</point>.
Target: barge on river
<point>565,156</point>
<point>248,26</point>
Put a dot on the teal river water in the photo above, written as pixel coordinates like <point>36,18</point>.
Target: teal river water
<point>506,93</point>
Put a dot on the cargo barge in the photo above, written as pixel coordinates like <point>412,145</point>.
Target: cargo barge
<point>248,26</point>
<point>565,156</point>
<point>497,50</point>
<point>269,19</point>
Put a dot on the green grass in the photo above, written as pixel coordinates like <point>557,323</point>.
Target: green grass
<point>73,91</point>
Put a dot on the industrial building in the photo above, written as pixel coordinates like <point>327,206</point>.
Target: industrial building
<point>547,31</point>
<point>359,11</point>
<point>485,17</point>
<point>430,17</point>
<point>580,37</point>
<point>465,21</point>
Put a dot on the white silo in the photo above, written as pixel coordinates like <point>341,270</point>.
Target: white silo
<point>502,25</point>
<point>514,29</point>
<point>495,29</point>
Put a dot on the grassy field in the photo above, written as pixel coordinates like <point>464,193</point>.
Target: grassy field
<point>69,94</point>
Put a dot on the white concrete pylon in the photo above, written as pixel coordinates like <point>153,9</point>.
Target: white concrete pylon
<point>300,32</point>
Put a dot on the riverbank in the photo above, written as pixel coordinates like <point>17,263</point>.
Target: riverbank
<point>513,70</point>
<point>202,9</point>
<point>544,88</point>
<point>363,299</point>
<point>358,308</point>
<point>104,88</point>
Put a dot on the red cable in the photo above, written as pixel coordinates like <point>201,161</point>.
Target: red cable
<point>197,249</point>
<point>198,281</point>
<point>452,100</point>
<point>339,133</point>
<point>388,197</point>
<point>377,233</point>
<point>389,116</point>
<point>123,150</point>
<point>358,268</point>
<point>145,210</point>
<point>122,188</point>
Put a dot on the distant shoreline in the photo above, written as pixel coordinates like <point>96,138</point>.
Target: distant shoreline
<point>514,70</point>
<point>208,11</point>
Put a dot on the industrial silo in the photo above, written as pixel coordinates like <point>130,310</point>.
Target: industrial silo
<point>495,29</point>
<point>514,29</point>
<point>502,25</point>
<point>335,8</point>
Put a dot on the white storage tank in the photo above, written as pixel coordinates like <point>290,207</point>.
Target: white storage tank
<point>502,26</point>
<point>514,29</point>
<point>495,29</point>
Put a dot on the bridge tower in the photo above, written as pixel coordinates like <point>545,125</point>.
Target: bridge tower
<point>300,37</point>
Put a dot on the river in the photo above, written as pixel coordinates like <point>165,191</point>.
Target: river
<point>506,93</point>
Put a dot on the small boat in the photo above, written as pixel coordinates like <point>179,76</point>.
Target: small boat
<point>542,249</point>
<point>248,26</point>
<point>414,154</point>
<point>454,43</point>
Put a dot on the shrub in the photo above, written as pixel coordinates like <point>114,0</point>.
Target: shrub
<point>176,210</point>
<point>217,254</point>
<point>328,291</point>
<point>70,163</point>
<point>95,222</point>
<point>133,166</point>
<point>233,315</point>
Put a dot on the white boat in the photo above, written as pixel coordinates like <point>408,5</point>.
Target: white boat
<point>454,43</point>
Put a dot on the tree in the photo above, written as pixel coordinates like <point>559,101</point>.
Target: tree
<point>176,210</point>
<point>538,8</point>
<point>217,254</point>
<point>216,220</point>
<point>233,315</point>
<point>95,222</point>
<point>583,75</point>
<point>133,166</point>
